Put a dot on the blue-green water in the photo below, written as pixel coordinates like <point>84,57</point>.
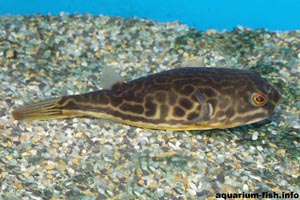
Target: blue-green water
<point>201,14</point>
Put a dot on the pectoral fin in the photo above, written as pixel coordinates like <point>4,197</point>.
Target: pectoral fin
<point>206,109</point>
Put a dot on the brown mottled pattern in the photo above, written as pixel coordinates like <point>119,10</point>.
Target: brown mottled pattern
<point>168,100</point>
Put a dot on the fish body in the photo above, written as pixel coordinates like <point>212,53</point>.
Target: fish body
<point>189,98</point>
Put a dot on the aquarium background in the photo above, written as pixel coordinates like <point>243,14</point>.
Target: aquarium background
<point>201,14</point>
<point>44,57</point>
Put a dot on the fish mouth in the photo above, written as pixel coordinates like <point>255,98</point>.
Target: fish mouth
<point>275,97</point>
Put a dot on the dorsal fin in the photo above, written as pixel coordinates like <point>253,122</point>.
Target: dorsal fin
<point>110,77</point>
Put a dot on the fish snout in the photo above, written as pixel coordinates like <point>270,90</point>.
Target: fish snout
<point>275,97</point>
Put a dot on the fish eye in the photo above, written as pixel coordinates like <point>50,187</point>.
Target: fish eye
<point>258,99</point>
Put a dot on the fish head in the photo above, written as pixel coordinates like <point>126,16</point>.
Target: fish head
<point>254,100</point>
<point>245,100</point>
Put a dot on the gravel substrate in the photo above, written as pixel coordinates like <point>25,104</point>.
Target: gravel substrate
<point>83,158</point>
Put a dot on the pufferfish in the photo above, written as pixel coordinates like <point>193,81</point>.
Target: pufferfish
<point>187,98</point>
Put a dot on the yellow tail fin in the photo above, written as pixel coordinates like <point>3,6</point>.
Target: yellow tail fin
<point>44,110</point>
